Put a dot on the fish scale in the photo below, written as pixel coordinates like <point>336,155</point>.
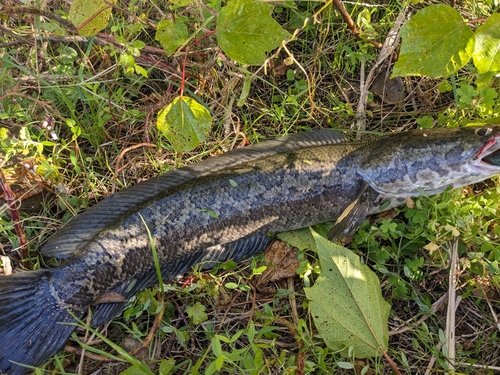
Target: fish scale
<point>225,208</point>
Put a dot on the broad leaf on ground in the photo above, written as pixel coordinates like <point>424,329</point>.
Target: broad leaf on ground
<point>347,304</point>
<point>436,43</point>
<point>197,313</point>
<point>487,46</point>
<point>185,123</point>
<point>90,16</point>
<point>300,238</point>
<point>246,31</point>
<point>171,35</point>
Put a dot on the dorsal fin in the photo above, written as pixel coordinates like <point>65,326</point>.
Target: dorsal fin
<point>75,235</point>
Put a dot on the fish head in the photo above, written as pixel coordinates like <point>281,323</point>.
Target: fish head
<point>430,161</point>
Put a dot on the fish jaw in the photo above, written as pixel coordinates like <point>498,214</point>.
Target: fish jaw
<point>479,164</point>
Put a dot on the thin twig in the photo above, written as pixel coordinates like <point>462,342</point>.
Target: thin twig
<point>152,331</point>
<point>434,308</point>
<point>484,367</point>
<point>450,314</point>
<point>350,23</point>
<point>45,105</point>
<point>391,363</point>
<point>11,202</point>
<point>301,359</point>
<point>21,10</point>
<point>119,158</point>
<point>387,51</point>
<point>81,352</point>
<point>430,365</point>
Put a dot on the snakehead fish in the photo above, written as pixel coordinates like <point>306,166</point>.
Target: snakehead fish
<point>224,208</point>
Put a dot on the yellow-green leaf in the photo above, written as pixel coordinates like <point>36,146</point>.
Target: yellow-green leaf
<point>197,313</point>
<point>347,304</point>
<point>90,16</point>
<point>487,46</point>
<point>185,123</point>
<point>171,35</point>
<point>436,43</point>
<point>181,3</point>
<point>246,31</point>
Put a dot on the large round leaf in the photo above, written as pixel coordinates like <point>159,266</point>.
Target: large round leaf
<point>487,47</point>
<point>246,31</point>
<point>436,43</point>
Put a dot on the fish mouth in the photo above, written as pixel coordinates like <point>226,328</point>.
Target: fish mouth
<point>488,157</point>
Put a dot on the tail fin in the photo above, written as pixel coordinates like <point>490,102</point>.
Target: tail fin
<point>30,317</point>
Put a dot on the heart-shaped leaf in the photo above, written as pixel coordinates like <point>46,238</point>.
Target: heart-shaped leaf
<point>185,123</point>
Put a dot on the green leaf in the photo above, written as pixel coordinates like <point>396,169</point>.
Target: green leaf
<point>487,46</point>
<point>347,304</point>
<point>185,123</point>
<point>90,16</point>
<point>231,285</point>
<point>436,43</point>
<point>181,3</point>
<point>166,366</point>
<point>134,370</point>
<point>246,31</point>
<point>197,313</point>
<point>171,35</point>
<point>301,239</point>
<point>211,213</point>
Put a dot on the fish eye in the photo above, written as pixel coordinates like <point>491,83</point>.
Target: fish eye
<point>483,132</point>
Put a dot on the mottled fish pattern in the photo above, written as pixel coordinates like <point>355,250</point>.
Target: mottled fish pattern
<point>225,208</point>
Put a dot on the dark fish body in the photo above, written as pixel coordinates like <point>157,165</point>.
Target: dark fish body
<point>223,208</point>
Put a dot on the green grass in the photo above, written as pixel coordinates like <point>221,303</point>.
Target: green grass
<point>218,321</point>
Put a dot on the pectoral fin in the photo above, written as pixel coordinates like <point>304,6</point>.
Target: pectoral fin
<point>351,219</point>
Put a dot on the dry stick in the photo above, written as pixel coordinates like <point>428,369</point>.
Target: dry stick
<point>450,314</point>
<point>292,38</point>
<point>87,341</point>
<point>492,311</point>
<point>484,367</point>
<point>387,51</point>
<point>81,352</point>
<point>52,110</point>
<point>295,316</point>
<point>152,331</point>
<point>120,156</point>
<point>347,18</point>
<point>391,363</point>
<point>430,365</point>
<point>434,308</point>
<point>7,267</point>
<point>10,200</point>
<point>30,10</point>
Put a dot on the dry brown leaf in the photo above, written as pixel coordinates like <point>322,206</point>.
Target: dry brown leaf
<point>282,262</point>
